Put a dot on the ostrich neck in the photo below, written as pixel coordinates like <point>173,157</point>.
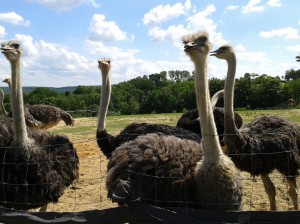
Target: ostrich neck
<point>10,95</point>
<point>20,132</point>
<point>2,108</point>
<point>229,121</point>
<point>210,143</point>
<point>104,101</point>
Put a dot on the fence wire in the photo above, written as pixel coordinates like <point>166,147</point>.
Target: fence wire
<point>86,200</point>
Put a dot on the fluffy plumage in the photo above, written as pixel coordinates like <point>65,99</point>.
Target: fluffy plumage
<point>169,171</point>
<point>190,121</point>
<point>109,143</point>
<point>263,145</point>
<point>36,166</point>
<point>48,116</point>
<point>41,116</point>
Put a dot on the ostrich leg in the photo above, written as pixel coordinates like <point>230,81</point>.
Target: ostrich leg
<point>293,191</point>
<point>270,189</point>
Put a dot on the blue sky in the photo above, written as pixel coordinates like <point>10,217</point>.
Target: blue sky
<point>63,39</point>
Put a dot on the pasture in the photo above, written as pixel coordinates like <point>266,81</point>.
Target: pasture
<point>89,192</point>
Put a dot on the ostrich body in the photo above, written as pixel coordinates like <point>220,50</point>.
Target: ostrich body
<point>49,116</point>
<point>169,171</point>
<point>36,165</point>
<point>109,143</point>
<point>190,121</point>
<point>291,103</point>
<point>263,145</point>
<point>41,116</point>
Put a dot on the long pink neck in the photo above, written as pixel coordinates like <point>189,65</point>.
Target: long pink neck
<point>210,143</point>
<point>104,101</point>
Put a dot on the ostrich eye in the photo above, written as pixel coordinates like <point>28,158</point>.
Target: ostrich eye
<point>108,62</point>
<point>15,45</point>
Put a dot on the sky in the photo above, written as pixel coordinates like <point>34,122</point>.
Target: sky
<point>62,40</point>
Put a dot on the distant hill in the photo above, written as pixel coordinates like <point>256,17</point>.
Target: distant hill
<point>31,88</point>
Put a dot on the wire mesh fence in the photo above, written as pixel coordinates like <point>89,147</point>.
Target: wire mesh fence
<point>86,199</point>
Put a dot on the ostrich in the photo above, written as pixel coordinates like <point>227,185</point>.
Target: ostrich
<point>107,142</point>
<point>265,144</point>
<point>169,171</point>
<point>190,119</point>
<point>40,116</point>
<point>3,111</point>
<point>36,165</point>
<point>291,102</point>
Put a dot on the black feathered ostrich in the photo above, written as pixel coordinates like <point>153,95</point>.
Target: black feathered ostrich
<point>41,116</point>
<point>263,145</point>
<point>36,166</point>
<point>109,143</point>
<point>169,171</point>
<point>190,119</point>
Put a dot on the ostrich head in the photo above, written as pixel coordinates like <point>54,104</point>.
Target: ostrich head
<point>104,65</point>
<point>196,45</point>
<point>6,81</point>
<point>223,52</point>
<point>12,50</point>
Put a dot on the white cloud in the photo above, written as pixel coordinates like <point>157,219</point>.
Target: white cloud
<point>105,31</point>
<point>45,63</point>
<point>172,33</point>
<point>293,48</point>
<point>126,65</point>
<point>232,7</point>
<point>253,6</point>
<point>2,32</point>
<point>248,62</point>
<point>14,19</point>
<point>197,22</point>
<point>64,5</point>
<point>202,21</point>
<point>115,53</point>
<point>274,3</point>
<point>288,33</point>
<point>163,13</point>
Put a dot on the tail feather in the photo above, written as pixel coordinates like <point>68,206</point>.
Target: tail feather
<point>68,119</point>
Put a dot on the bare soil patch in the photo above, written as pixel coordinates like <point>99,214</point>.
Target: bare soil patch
<point>89,193</point>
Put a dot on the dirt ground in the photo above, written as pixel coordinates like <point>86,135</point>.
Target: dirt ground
<point>89,193</point>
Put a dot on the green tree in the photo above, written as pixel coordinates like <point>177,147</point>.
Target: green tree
<point>179,76</point>
<point>292,74</point>
<point>159,79</point>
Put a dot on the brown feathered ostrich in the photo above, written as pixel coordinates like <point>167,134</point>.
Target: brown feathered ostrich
<point>169,171</point>
<point>263,145</point>
<point>109,143</point>
<point>36,166</point>
<point>41,116</point>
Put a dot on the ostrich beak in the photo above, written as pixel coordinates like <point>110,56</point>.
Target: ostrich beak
<point>214,53</point>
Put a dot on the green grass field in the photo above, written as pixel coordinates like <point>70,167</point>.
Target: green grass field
<point>115,124</point>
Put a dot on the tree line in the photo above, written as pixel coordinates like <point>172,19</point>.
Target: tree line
<point>171,91</point>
